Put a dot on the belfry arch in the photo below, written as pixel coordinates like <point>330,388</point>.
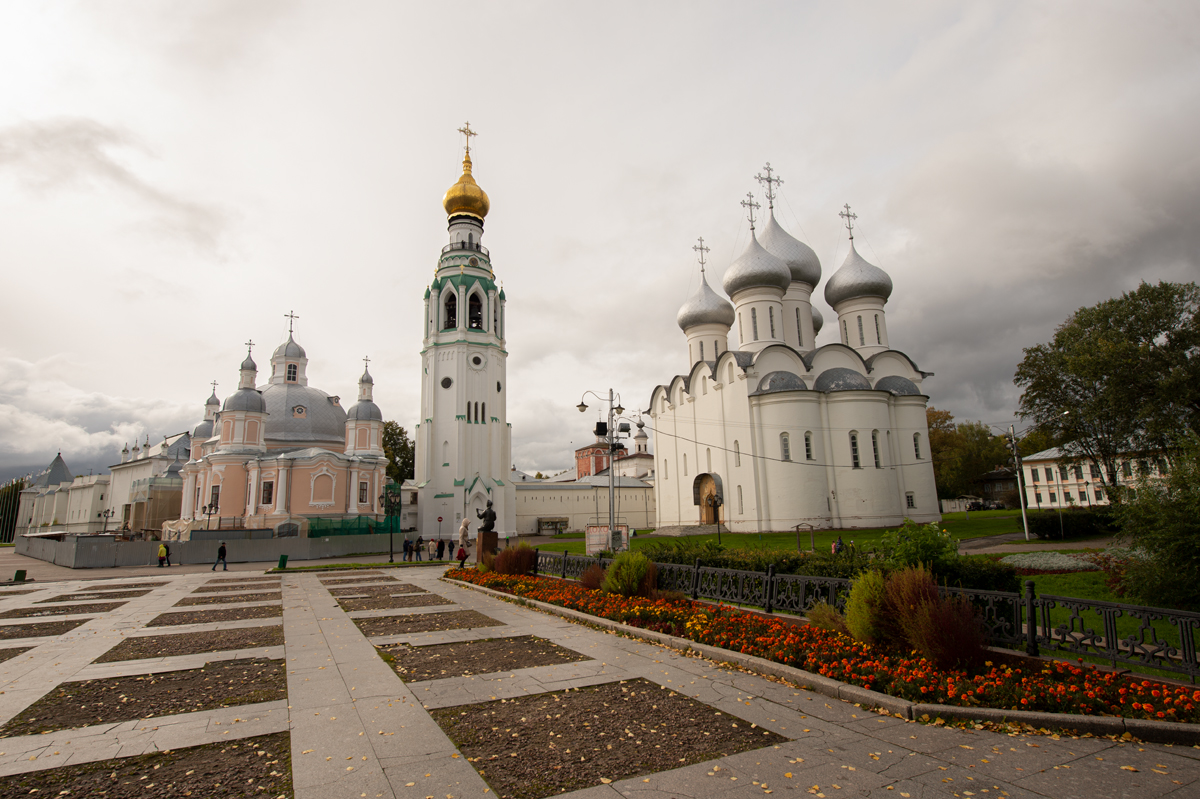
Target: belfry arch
<point>709,495</point>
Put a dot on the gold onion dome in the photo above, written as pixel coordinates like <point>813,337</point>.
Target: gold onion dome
<point>465,196</point>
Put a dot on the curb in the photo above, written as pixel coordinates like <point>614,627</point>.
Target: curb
<point>1163,732</point>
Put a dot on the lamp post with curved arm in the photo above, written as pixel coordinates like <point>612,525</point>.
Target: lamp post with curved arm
<point>609,433</point>
<point>390,502</point>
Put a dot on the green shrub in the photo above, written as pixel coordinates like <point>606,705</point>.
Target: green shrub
<point>593,577</point>
<point>867,608</point>
<point>627,574</point>
<point>487,562</point>
<point>1072,523</point>
<point>516,560</point>
<point>827,617</point>
<point>916,543</point>
<point>978,573</point>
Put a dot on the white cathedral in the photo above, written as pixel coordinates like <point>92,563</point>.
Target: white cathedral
<point>463,438</point>
<point>776,432</point>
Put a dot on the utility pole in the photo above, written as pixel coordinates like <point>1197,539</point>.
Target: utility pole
<point>1012,439</point>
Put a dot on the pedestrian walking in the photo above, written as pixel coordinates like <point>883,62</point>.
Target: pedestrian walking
<point>407,551</point>
<point>441,551</point>
<point>162,554</point>
<point>432,548</point>
<point>419,548</point>
<point>167,547</point>
<point>221,558</point>
<point>463,540</point>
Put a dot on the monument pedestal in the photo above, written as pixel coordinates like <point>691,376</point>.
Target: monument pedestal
<point>485,541</point>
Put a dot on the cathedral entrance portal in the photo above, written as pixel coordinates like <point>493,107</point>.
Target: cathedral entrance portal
<point>707,493</point>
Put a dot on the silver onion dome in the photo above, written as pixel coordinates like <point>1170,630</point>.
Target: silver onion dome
<point>213,400</point>
<point>289,349</point>
<point>365,411</point>
<point>898,386</point>
<point>857,278</point>
<point>799,257</point>
<point>249,364</point>
<point>780,381</point>
<point>818,320</point>
<point>756,268</point>
<point>366,378</point>
<point>245,399</point>
<point>705,307</point>
<point>839,378</point>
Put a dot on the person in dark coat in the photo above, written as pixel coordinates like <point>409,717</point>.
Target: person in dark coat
<point>441,550</point>
<point>417,547</point>
<point>167,547</point>
<point>221,558</point>
<point>407,550</point>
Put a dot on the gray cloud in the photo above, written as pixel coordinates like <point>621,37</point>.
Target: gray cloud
<point>72,152</point>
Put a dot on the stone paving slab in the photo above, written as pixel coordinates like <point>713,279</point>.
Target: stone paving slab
<point>128,668</point>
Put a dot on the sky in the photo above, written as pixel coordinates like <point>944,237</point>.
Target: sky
<point>174,178</point>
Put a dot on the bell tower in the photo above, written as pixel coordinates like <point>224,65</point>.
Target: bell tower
<point>463,439</point>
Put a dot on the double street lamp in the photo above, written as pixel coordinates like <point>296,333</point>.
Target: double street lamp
<point>609,433</point>
<point>210,509</point>
<point>108,513</point>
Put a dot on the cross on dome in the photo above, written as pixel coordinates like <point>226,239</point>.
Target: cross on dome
<point>849,217</point>
<point>366,361</point>
<point>702,249</point>
<point>749,203</point>
<point>214,385</point>
<point>770,183</point>
<point>465,130</point>
<point>291,316</point>
<point>250,346</point>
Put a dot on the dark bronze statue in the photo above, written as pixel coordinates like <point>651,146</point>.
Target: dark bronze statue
<point>489,518</point>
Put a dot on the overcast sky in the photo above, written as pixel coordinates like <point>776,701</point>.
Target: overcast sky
<point>175,177</point>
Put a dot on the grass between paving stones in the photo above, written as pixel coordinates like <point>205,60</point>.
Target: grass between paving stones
<point>425,622</point>
<point>541,745</point>
<point>9,654</point>
<point>259,766</point>
<point>18,593</point>
<point>387,602</point>
<point>1005,681</point>
<point>60,610</point>
<point>220,614</point>
<point>375,590</point>
<point>223,683</point>
<point>45,628</point>
<point>93,596</point>
<point>140,647</point>
<point>383,578</point>
<point>464,658</point>
<point>222,599</point>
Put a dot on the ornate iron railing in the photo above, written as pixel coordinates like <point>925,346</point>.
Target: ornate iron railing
<point>1161,639</point>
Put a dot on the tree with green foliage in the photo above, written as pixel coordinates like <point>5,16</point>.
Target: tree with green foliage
<point>400,452</point>
<point>1161,523</point>
<point>1121,376</point>
<point>962,453</point>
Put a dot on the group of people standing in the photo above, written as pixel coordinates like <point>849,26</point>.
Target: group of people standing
<point>415,550</point>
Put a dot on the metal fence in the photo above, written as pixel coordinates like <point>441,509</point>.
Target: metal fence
<point>1129,635</point>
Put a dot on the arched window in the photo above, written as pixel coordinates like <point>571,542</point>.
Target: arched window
<point>477,413</point>
<point>854,451</point>
<point>475,312</point>
<point>875,448</point>
<point>702,350</point>
<point>808,446</point>
<point>666,475</point>
<point>741,335</point>
<point>771,319</point>
<point>716,347</point>
<point>291,372</point>
<point>754,323</point>
<point>861,339</point>
<point>737,454</point>
<point>708,459</point>
<point>484,412</point>
<point>450,317</point>
<point>730,374</point>
<point>878,337</point>
<point>799,329</point>
<point>845,334</point>
<point>917,446</point>
<point>703,378</point>
<point>741,507</point>
<point>685,464</point>
<point>785,447</point>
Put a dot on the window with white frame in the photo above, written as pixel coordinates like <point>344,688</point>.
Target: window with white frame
<point>854,451</point>
<point>737,453</point>
<point>875,448</point>
<point>808,450</point>
<point>785,448</point>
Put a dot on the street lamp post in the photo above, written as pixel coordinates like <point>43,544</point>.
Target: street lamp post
<point>610,434</point>
<point>107,514</point>
<point>390,502</point>
<point>210,509</point>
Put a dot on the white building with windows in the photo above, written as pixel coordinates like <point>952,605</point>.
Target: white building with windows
<point>774,432</point>
<point>1056,478</point>
<point>463,438</point>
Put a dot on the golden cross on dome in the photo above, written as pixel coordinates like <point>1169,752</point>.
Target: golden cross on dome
<point>770,183</point>
<point>466,131</point>
<point>849,217</point>
<point>700,248</point>
<point>291,317</point>
<point>749,203</point>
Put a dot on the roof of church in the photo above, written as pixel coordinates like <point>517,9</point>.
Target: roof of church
<point>289,349</point>
<point>839,378</point>
<point>855,278</point>
<point>900,386</point>
<point>365,410</point>
<point>322,420</point>
<point>756,267</point>
<point>799,257</point>
<point>57,472</point>
<point>705,307</point>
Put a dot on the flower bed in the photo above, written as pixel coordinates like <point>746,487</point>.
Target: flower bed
<point>1018,684</point>
<point>1049,562</point>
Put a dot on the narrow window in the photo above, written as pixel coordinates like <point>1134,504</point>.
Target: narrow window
<point>878,337</point>
<point>362,493</point>
<point>861,339</point>
<point>485,413</point>
<point>666,475</point>
<point>808,446</point>
<point>685,464</point>
<point>741,335</point>
<point>785,447</point>
<point>741,506</point>
<point>1067,496</point>
<point>909,500</point>
<point>875,448</point>
<point>451,315</point>
<point>1053,496</point>
<point>917,445</point>
<point>703,382</point>
<point>730,374</point>
<point>1037,497</point>
<point>215,497</point>
<point>291,372</point>
<point>737,454</point>
<point>268,492</point>
<point>771,319</point>
<point>854,451</point>
<point>716,347</point>
<point>708,458</point>
<point>1078,472</point>
<point>1033,474</point>
<point>1099,495</point>
<point>1127,469</point>
<point>702,350</point>
<point>754,323</point>
<point>496,317</point>
<point>845,334</point>
<point>475,312</point>
<point>477,413</point>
